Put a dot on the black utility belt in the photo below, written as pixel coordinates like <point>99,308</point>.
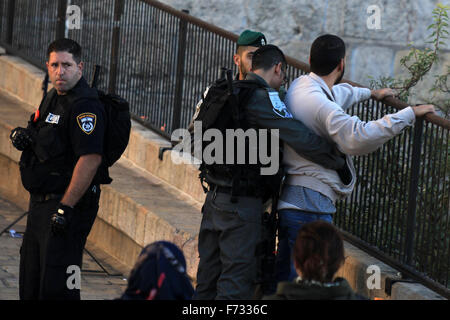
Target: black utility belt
<point>241,192</point>
<point>37,197</point>
<point>45,197</point>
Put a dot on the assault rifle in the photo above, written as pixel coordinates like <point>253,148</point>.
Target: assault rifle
<point>267,250</point>
<point>44,86</point>
<point>95,76</point>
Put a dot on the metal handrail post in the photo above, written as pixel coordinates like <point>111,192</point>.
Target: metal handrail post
<point>413,189</point>
<point>114,61</point>
<point>181,55</point>
<point>61,19</point>
<point>10,21</point>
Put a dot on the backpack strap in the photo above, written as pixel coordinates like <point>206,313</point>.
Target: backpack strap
<point>43,107</point>
<point>233,100</point>
<point>46,103</point>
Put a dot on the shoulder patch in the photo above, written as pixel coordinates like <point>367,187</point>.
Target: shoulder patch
<point>86,122</point>
<point>278,106</point>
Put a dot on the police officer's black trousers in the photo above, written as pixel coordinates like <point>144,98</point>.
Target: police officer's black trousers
<point>45,257</point>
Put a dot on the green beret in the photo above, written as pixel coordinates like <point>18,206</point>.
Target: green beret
<point>251,38</point>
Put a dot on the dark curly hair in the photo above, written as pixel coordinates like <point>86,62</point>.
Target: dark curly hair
<point>318,251</point>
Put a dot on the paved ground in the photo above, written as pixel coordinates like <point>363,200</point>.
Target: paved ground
<point>100,280</point>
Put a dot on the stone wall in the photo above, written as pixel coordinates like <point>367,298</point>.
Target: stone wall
<point>294,24</point>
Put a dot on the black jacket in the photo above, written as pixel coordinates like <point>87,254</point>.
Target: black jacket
<point>306,290</point>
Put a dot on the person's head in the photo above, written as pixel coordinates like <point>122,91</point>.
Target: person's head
<point>64,64</point>
<point>248,42</point>
<point>318,251</point>
<point>327,57</point>
<point>159,274</point>
<point>270,63</point>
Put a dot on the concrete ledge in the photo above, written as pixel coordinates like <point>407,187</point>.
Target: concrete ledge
<point>143,150</point>
<point>359,273</point>
<point>145,209</point>
<point>413,291</point>
<point>355,270</point>
<point>11,187</point>
<point>23,81</point>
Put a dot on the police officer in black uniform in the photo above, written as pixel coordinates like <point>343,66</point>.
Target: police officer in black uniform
<point>61,166</point>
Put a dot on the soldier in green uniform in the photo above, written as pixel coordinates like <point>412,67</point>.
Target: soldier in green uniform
<point>231,230</point>
<point>248,42</point>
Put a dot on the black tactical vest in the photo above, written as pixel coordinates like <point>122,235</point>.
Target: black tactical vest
<point>47,165</point>
<point>221,110</point>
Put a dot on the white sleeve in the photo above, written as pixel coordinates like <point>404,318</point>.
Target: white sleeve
<point>357,137</point>
<point>346,95</point>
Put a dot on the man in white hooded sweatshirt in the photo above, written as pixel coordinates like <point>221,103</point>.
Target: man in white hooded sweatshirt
<point>319,101</point>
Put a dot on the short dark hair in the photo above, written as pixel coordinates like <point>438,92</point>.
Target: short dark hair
<point>240,49</point>
<point>326,53</point>
<point>66,45</point>
<point>266,57</point>
<point>319,251</point>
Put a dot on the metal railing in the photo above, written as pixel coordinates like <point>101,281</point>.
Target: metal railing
<point>161,60</point>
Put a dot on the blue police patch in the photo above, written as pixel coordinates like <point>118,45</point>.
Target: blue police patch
<point>278,106</point>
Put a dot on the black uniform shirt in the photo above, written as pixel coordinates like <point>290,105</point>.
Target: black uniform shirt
<point>80,123</point>
<point>71,126</point>
<point>86,125</point>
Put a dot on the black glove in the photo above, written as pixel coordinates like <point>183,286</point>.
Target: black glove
<point>344,172</point>
<point>61,219</point>
<point>20,138</point>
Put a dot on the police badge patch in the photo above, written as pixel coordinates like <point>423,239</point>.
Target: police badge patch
<point>278,106</point>
<point>87,122</point>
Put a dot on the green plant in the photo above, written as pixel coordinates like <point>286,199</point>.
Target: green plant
<point>441,88</point>
<point>418,63</point>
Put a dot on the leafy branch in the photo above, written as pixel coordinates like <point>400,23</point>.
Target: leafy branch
<point>419,62</point>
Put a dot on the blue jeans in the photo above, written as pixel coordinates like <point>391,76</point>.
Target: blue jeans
<point>290,222</point>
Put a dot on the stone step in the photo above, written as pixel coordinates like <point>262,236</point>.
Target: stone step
<point>102,276</point>
<point>145,209</point>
